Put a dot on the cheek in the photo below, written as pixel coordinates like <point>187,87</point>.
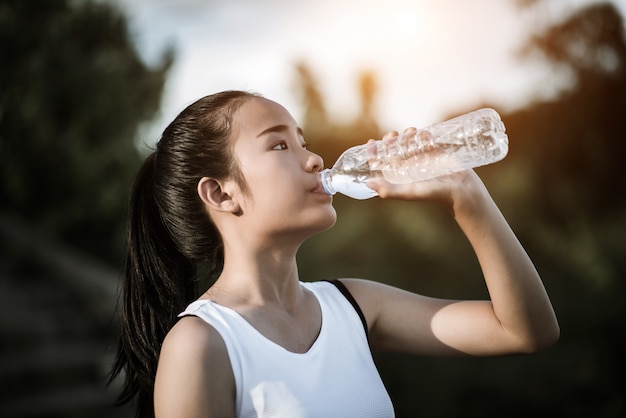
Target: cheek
<point>264,178</point>
<point>253,177</point>
<point>264,197</point>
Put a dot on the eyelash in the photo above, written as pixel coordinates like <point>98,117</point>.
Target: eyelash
<point>283,146</point>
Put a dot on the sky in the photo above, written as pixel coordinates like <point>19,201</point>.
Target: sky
<point>431,57</point>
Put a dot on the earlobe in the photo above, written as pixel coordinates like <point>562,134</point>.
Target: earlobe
<point>215,197</point>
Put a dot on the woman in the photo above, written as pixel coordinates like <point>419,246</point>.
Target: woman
<point>233,186</point>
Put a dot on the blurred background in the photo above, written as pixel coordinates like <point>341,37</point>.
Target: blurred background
<point>86,87</point>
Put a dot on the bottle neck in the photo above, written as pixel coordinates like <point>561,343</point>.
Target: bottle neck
<point>325,177</point>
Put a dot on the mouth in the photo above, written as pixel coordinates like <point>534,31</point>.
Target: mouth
<point>319,189</point>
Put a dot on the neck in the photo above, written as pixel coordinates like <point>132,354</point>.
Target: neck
<point>259,277</point>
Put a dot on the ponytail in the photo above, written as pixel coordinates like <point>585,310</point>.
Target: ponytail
<point>159,283</point>
<point>170,237</point>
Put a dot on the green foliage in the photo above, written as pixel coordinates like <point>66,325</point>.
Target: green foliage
<point>574,145</point>
<point>73,92</point>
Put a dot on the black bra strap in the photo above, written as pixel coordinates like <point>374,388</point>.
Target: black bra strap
<point>344,290</point>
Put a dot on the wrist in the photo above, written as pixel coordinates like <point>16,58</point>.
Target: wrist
<point>471,198</point>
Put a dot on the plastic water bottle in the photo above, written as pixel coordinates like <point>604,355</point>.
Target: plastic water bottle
<point>475,139</point>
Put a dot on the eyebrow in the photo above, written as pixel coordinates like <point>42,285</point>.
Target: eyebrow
<point>279,128</point>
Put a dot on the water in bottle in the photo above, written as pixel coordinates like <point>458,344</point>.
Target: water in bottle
<point>475,139</point>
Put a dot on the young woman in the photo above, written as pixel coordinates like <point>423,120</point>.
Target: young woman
<point>232,186</point>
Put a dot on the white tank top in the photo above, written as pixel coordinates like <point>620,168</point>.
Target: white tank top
<point>336,377</point>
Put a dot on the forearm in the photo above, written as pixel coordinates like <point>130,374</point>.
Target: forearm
<point>519,299</point>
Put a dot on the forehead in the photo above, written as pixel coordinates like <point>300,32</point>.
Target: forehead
<point>259,114</point>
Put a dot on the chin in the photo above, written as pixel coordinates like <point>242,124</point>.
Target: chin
<point>326,221</point>
<point>332,215</point>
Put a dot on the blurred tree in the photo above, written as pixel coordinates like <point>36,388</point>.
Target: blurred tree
<point>573,146</point>
<point>573,149</point>
<point>575,143</point>
<point>73,92</point>
<point>315,118</point>
<point>368,88</point>
<point>329,135</point>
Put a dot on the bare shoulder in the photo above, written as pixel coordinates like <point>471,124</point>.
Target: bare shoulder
<point>193,342</point>
<point>398,320</point>
<point>372,295</point>
<point>361,285</point>
<point>194,372</point>
<point>192,336</point>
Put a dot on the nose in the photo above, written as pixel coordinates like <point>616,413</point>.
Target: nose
<point>314,162</point>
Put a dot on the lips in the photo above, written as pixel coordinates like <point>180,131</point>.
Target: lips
<point>318,189</point>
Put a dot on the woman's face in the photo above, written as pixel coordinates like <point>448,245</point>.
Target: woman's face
<point>281,174</point>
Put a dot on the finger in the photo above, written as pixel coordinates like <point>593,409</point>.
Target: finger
<point>434,190</point>
<point>406,143</point>
<point>372,149</point>
<point>390,134</point>
<point>388,190</point>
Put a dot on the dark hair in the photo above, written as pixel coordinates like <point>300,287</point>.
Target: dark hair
<point>169,235</point>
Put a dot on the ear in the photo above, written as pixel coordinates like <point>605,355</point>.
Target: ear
<point>215,195</point>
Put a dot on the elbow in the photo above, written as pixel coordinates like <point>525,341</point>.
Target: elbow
<point>544,343</point>
<point>542,339</point>
<point>552,336</point>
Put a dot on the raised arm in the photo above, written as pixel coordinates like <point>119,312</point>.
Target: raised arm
<point>518,318</point>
